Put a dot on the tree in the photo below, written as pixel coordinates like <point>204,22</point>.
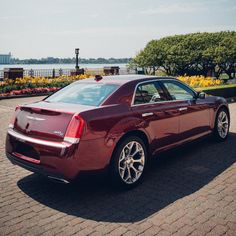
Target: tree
<point>191,54</point>
<point>225,54</point>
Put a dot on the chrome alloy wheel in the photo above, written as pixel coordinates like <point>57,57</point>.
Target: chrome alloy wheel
<point>223,124</point>
<point>131,162</point>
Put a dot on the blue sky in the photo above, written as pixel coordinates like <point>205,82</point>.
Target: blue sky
<point>104,28</point>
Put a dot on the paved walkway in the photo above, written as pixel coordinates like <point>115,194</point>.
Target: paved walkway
<point>191,191</point>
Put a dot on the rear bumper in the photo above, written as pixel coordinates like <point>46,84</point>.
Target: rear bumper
<point>59,159</point>
<point>36,168</point>
<point>54,159</point>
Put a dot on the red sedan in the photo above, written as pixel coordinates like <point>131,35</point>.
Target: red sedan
<point>115,122</point>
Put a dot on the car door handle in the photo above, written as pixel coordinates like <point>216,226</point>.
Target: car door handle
<point>183,109</point>
<point>147,114</point>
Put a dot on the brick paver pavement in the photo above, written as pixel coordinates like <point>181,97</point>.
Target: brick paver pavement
<point>189,191</point>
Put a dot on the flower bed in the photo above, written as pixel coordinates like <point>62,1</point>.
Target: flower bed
<point>42,85</point>
<point>36,85</point>
<point>200,81</point>
<point>30,91</point>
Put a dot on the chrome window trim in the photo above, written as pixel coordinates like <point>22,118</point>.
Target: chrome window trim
<point>157,80</point>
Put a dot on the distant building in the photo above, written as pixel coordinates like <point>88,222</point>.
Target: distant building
<point>5,58</point>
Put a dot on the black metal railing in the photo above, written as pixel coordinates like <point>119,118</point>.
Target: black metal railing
<point>52,73</point>
<point>47,72</point>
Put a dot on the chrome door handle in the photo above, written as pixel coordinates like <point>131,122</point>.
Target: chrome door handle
<point>183,109</point>
<point>147,114</point>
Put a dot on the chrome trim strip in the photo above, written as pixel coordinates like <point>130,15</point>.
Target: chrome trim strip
<point>153,103</point>
<point>183,108</point>
<point>24,138</point>
<point>157,80</point>
<point>147,114</point>
<point>58,179</point>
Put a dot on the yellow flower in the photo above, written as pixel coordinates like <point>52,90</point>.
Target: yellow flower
<point>200,81</point>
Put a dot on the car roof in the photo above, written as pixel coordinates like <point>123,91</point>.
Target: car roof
<point>123,79</point>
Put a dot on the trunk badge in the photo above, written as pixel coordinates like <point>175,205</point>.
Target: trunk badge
<point>58,132</point>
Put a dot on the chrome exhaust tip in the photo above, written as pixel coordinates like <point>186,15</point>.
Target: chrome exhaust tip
<point>58,180</point>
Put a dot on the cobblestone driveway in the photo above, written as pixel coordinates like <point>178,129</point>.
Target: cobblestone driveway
<point>189,191</point>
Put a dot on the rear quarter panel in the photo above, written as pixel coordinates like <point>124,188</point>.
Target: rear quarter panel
<point>104,128</point>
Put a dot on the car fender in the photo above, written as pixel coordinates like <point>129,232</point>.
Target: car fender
<point>220,103</point>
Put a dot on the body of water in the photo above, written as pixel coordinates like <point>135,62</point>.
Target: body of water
<point>59,66</point>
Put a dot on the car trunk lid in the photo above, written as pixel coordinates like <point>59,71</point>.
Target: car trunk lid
<point>48,121</point>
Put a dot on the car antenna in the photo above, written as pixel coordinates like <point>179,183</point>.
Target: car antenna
<point>98,78</point>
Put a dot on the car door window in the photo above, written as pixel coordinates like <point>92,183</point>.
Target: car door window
<point>149,93</point>
<point>178,91</point>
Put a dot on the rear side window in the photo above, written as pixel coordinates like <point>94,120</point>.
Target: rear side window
<point>178,91</point>
<point>92,94</point>
<point>149,93</point>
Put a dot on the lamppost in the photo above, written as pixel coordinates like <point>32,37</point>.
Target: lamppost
<point>77,60</point>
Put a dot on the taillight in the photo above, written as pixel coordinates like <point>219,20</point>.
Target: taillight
<point>13,118</point>
<point>75,129</point>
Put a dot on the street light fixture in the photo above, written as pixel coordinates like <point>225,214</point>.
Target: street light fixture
<point>77,60</point>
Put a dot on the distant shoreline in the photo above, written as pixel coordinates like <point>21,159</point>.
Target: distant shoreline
<point>54,60</point>
<point>108,63</point>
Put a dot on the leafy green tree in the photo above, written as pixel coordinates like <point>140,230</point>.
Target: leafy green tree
<point>191,54</point>
<point>225,54</point>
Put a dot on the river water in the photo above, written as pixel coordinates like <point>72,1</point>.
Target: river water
<point>58,66</point>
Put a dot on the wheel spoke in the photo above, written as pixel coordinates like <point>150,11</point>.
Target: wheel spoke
<point>137,172</point>
<point>131,147</point>
<point>128,178</point>
<point>223,116</point>
<point>123,171</point>
<point>225,129</point>
<point>219,117</point>
<point>140,160</point>
<point>122,156</point>
<point>138,149</point>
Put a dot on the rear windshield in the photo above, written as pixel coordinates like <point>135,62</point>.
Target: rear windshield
<point>92,94</point>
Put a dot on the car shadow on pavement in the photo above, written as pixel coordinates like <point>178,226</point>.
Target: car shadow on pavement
<point>174,175</point>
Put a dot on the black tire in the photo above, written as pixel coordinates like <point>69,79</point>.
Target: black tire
<point>218,134</point>
<point>117,161</point>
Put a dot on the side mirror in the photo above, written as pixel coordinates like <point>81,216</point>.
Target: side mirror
<point>201,95</point>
